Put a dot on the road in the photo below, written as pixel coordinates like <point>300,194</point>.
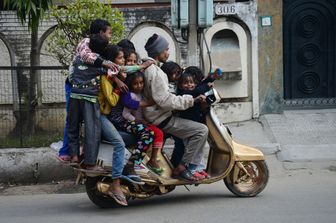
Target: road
<point>296,196</point>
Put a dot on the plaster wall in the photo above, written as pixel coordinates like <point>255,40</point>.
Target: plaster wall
<point>264,83</point>
<point>270,54</point>
<point>51,83</point>
<point>4,56</point>
<point>244,101</point>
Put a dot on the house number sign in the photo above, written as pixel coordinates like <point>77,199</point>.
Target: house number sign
<point>226,9</point>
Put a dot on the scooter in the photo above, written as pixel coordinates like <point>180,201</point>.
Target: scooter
<point>243,168</point>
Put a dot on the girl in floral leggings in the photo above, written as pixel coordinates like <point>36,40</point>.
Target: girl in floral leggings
<point>135,83</point>
<point>145,136</point>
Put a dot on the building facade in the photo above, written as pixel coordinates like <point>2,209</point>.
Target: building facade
<point>275,54</point>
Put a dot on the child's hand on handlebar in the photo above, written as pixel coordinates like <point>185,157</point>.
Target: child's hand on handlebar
<point>200,98</point>
<point>211,84</point>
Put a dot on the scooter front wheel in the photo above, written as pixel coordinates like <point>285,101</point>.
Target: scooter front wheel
<point>247,178</point>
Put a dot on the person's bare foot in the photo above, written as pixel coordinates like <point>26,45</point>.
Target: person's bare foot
<point>116,193</point>
<point>179,169</point>
<point>182,173</point>
<point>154,166</point>
<point>153,163</point>
<point>74,161</point>
<point>118,197</point>
<point>115,186</point>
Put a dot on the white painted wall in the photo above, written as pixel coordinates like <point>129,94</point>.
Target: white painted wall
<point>143,32</point>
<point>6,94</point>
<point>4,55</point>
<point>229,88</point>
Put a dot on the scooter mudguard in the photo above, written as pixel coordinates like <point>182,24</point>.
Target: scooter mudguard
<point>246,153</point>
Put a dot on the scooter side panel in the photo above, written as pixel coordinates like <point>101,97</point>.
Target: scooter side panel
<point>105,155</point>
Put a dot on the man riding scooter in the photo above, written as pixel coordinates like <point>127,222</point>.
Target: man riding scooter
<point>192,133</point>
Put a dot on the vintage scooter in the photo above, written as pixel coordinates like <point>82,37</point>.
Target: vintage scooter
<point>242,168</point>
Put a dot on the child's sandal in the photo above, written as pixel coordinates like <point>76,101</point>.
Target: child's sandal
<point>157,170</point>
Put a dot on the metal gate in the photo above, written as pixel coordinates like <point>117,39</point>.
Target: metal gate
<point>309,28</point>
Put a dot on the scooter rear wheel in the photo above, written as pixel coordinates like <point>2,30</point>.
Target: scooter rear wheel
<point>97,197</point>
<point>247,185</point>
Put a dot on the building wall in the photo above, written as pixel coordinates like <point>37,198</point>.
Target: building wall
<point>17,38</point>
<point>18,35</point>
<point>270,73</point>
<point>161,14</point>
<point>239,92</point>
<point>270,57</point>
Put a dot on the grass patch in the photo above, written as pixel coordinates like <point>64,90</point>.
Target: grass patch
<point>41,139</point>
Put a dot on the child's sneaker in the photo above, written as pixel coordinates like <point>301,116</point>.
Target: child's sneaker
<point>140,169</point>
<point>198,176</point>
<point>203,173</point>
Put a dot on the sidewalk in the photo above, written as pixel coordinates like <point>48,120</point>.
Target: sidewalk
<point>300,139</point>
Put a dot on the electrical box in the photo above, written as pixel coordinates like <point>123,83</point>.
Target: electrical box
<point>174,13</point>
<point>180,13</point>
<point>204,13</point>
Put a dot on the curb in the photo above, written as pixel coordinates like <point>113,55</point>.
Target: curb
<point>32,165</point>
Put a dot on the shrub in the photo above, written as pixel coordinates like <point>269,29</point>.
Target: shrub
<point>73,24</point>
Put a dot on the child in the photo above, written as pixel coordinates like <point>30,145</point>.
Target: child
<point>187,85</point>
<point>202,84</point>
<point>131,58</point>
<point>135,83</point>
<point>63,154</point>
<point>126,45</point>
<point>116,53</point>
<point>83,51</point>
<point>173,71</point>
<point>115,108</point>
<point>83,104</point>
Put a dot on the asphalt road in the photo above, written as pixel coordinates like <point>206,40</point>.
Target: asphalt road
<point>297,196</point>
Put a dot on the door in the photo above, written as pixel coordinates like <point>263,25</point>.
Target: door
<point>309,48</point>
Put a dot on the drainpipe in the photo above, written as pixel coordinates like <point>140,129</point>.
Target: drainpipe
<point>193,59</point>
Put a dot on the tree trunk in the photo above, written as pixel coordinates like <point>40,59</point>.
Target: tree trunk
<point>34,61</point>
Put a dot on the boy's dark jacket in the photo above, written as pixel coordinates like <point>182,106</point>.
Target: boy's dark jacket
<point>194,113</point>
<point>85,78</point>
